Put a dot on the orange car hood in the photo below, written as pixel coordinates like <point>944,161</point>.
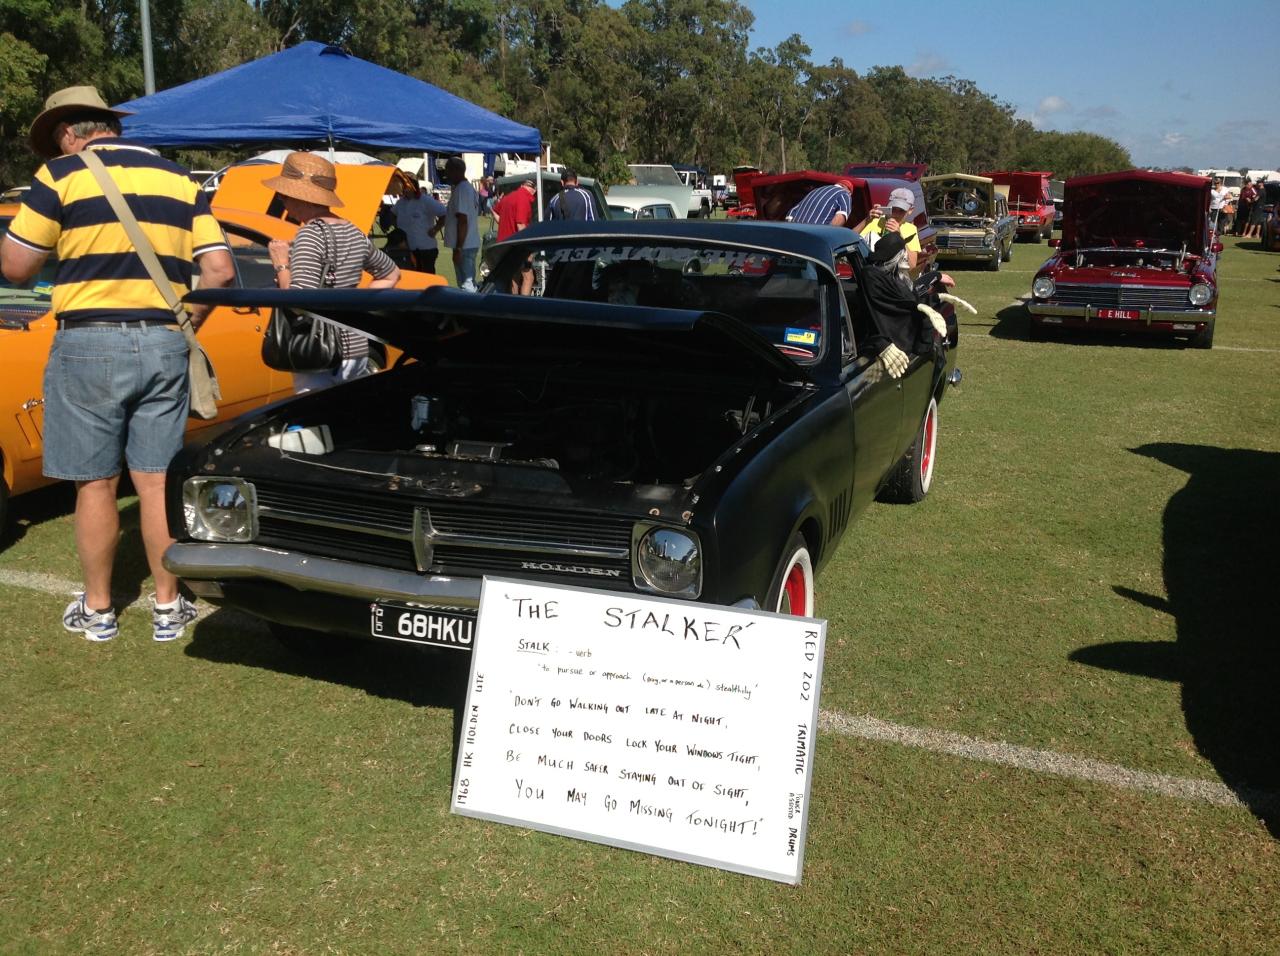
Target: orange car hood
<point>360,188</point>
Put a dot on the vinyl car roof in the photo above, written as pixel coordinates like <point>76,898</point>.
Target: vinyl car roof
<point>817,243</point>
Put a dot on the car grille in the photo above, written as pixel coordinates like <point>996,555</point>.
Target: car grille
<point>448,538</point>
<point>1132,296</point>
<point>960,242</point>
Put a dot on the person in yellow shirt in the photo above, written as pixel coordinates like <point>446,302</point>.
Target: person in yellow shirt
<point>895,219</point>
<point>115,387</point>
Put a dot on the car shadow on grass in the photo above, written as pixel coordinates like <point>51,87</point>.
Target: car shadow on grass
<point>1012,322</point>
<point>35,508</point>
<point>407,673</point>
<point>1220,534</point>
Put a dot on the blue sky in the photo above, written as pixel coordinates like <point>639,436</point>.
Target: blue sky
<point>1177,83</point>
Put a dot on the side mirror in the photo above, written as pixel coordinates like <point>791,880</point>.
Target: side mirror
<point>1055,243</point>
<point>1217,248</point>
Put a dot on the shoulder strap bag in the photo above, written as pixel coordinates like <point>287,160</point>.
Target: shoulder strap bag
<point>202,382</point>
<point>306,343</point>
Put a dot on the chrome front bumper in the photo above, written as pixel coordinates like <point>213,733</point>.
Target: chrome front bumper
<point>975,254</point>
<point>1146,314</point>
<point>197,562</point>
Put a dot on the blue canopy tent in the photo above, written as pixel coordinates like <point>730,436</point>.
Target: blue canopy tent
<point>316,94</point>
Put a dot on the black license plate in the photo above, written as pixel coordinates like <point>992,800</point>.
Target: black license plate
<point>437,625</point>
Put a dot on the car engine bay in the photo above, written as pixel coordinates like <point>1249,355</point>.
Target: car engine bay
<point>576,424</point>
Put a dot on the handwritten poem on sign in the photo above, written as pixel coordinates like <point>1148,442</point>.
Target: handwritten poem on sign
<point>681,729</point>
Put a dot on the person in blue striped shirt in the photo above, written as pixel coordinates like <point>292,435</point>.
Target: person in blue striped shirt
<point>572,202</point>
<point>825,206</point>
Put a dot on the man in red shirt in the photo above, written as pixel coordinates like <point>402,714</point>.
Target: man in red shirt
<point>515,212</point>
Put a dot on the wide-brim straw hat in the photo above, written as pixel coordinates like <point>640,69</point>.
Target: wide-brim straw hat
<point>308,177</point>
<point>74,100</point>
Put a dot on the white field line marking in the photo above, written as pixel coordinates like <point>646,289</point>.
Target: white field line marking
<point>52,584</point>
<point>1040,761</point>
<point>872,728</point>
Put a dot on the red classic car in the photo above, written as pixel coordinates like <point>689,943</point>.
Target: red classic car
<point>739,200</point>
<point>775,195</point>
<point>1136,255</point>
<point>1030,201</point>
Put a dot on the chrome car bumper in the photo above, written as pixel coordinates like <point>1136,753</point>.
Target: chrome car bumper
<point>981,254</point>
<point>198,563</point>
<point>1146,314</point>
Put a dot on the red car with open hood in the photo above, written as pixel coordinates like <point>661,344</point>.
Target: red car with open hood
<point>1136,255</point>
<point>1030,201</point>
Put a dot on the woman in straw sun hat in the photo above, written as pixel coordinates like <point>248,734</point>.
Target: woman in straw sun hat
<point>328,252</point>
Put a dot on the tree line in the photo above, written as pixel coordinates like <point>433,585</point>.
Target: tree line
<point>649,81</point>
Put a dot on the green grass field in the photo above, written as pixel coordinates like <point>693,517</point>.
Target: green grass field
<point>1091,576</point>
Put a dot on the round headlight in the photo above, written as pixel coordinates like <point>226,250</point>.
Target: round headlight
<point>989,239</point>
<point>670,561</point>
<point>1201,294</point>
<point>1043,287</point>
<point>219,509</point>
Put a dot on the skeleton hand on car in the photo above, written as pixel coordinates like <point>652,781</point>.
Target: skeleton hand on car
<point>935,319</point>
<point>895,361</point>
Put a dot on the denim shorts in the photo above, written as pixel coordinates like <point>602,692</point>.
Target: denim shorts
<point>113,396</point>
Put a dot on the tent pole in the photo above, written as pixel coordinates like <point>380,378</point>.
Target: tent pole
<point>538,184</point>
<point>541,278</point>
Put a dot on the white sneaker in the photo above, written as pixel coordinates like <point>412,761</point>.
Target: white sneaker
<point>169,621</point>
<point>94,625</point>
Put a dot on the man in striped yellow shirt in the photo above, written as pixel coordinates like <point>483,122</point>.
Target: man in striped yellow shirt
<point>115,387</point>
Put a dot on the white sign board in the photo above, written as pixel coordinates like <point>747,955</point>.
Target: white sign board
<point>685,730</point>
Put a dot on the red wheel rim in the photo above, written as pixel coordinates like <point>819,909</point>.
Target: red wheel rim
<point>794,589</point>
<point>926,455</point>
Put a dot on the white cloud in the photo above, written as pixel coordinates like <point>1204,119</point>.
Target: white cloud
<point>1048,112</point>
<point>929,64</point>
<point>858,28</point>
<point>1172,140</point>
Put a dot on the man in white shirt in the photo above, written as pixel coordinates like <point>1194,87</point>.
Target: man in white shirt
<point>418,214</point>
<point>462,223</point>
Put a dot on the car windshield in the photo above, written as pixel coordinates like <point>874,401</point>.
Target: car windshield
<point>779,296</point>
<point>655,176</point>
<point>37,295</point>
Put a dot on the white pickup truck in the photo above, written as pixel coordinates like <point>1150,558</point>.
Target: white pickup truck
<point>703,200</point>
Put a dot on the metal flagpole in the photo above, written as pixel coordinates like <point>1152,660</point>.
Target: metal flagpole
<point>148,68</point>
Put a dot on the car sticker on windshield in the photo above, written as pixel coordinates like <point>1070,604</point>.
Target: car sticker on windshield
<point>729,258</point>
<point>801,337</point>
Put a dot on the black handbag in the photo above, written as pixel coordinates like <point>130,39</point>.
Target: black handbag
<point>305,343</point>
<point>301,343</point>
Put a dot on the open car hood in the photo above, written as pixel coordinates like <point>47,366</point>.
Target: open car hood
<point>360,188</point>
<point>959,196</point>
<point>776,195</point>
<point>445,323</point>
<point>1159,210</point>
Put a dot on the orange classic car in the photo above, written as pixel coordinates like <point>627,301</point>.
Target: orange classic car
<point>232,336</point>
